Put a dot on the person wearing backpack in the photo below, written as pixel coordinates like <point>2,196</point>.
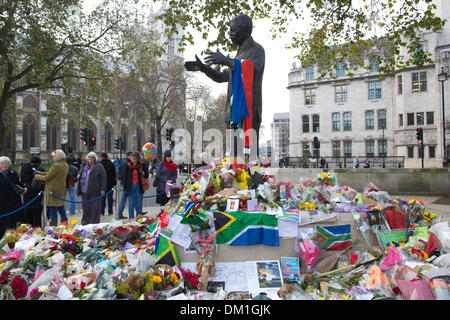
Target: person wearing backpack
<point>70,185</point>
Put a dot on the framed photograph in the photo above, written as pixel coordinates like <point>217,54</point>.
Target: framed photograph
<point>232,205</point>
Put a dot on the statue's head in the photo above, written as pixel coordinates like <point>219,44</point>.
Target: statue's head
<point>240,28</point>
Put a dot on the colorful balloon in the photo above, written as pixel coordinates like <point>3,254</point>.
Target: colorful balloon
<point>149,151</point>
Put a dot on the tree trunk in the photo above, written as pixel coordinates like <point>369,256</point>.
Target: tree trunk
<point>159,138</point>
<point>3,104</point>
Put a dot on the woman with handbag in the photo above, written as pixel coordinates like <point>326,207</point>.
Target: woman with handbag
<point>136,183</point>
<point>11,188</point>
<point>55,182</point>
<point>32,213</point>
<point>166,172</point>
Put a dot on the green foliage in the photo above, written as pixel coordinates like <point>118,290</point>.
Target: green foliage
<point>53,44</point>
<point>340,31</point>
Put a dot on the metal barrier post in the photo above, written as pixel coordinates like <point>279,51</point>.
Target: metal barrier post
<point>116,214</point>
<point>44,213</point>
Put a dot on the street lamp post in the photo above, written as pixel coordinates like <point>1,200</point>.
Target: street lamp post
<point>442,77</point>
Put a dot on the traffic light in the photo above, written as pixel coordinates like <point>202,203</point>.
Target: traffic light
<point>316,143</point>
<point>419,135</point>
<point>93,141</point>
<point>117,143</point>
<point>169,132</point>
<point>84,135</point>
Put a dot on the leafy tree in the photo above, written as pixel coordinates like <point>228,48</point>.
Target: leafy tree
<point>348,31</point>
<point>152,85</point>
<point>48,44</point>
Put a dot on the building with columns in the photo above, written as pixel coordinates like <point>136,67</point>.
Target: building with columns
<point>363,115</point>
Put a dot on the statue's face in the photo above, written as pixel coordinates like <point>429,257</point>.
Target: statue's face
<point>239,32</point>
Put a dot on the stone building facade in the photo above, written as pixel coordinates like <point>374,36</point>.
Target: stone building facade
<point>363,115</point>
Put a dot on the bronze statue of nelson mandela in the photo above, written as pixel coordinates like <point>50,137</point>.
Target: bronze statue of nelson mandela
<point>240,34</point>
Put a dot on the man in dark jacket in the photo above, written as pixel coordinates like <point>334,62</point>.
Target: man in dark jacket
<point>32,213</point>
<point>76,161</point>
<point>110,170</point>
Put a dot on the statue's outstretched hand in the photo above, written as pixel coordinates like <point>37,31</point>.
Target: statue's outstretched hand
<point>194,65</point>
<point>215,58</point>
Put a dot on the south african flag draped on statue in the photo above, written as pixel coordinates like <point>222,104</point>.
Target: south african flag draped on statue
<point>246,228</point>
<point>337,237</point>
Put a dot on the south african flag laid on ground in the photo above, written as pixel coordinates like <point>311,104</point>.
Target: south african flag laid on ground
<point>337,237</point>
<point>246,228</point>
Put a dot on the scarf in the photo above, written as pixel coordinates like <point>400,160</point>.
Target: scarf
<point>135,166</point>
<point>170,166</point>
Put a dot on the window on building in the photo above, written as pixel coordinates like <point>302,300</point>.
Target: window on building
<point>420,118</point>
<point>305,119</point>
<point>399,84</point>
<point>316,123</point>
<point>336,148</point>
<point>72,135</point>
<point>29,133</point>
<point>381,119</point>
<point>336,121</point>
<point>430,117</point>
<point>306,150</point>
<point>108,138</point>
<point>370,120</point>
<point>52,138</point>
<point>370,148</point>
<point>309,73</point>
<point>419,81</point>
<point>347,148</point>
<point>171,47</point>
<point>400,120</point>
<point>341,93</point>
<point>382,148</point>
<point>374,90</point>
<point>340,69</point>
<point>310,96</point>
<point>347,121</point>
<point>374,65</point>
<point>431,152</point>
<point>410,119</point>
<point>410,151</point>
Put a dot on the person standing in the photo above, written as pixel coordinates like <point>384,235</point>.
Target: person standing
<point>366,163</point>
<point>110,171</point>
<point>76,161</point>
<point>71,180</point>
<point>9,195</point>
<point>32,213</point>
<point>92,184</point>
<point>323,162</point>
<point>135,171</point>
<point>55,182</point>
<point>356,163</point>
<point>166,173</point>
<point>120,176</point>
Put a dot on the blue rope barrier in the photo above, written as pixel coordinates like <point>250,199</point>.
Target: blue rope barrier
<point>138,196</point>
<point>86,201</point>
<point>23,207</point>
